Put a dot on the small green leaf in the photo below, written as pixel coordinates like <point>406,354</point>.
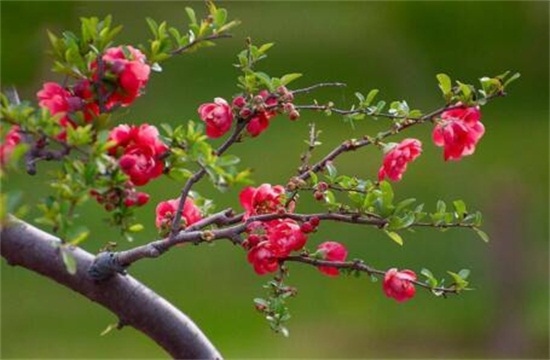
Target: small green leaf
<point>288,78</point>
<point>332,172</point>
<point>464,273</point>
<point>136,228</point>
<point>444,83</point>
<point>68,260</point>
<point>395,237</point>
<point>191,15</point>
<point>511,79</point>
<point>108,329</point>
<point>460,208</point>
<point>482,234</point>
<point>370,97</point>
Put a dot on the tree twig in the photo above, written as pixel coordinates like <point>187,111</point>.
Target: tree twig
<point>359,265</point>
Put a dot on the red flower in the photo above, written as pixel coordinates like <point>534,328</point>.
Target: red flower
<point>331,251</point>
<point>264,199</point>
<point>396,160</point>
<point>287,235</point>
<point>131,70</point>
<point>217,116</point>
<point>12,139</point>
<point>398,285</point>
<point>166,210</point>
<point>459,132</point>
<point>264,257</point>
<point>60,101</point>
<point>141,165</point>
<point>260,122</point>
<point>141,150</point>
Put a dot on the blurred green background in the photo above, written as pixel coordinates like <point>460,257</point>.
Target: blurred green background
<point>397,47</point>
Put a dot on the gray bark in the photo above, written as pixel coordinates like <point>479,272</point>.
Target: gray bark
<point>132,302</point>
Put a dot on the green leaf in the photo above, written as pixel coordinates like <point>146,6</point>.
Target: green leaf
<point>511,79</point>
<point>136,228</point>
<point>482,234</point>
<point>441,207</point>
<point>332,172</point>
<point>220,17</point>
<point>288,78</point>
<point>68,260</point>
<point>464,273</point>
<point>370,97</point>
<point>460,207</point>
<point>191,15</point>
<point>395,237</point>
<point>444,83</point>
<point>108,329</point>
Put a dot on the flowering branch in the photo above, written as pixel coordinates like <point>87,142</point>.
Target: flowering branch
<point>350,145</point>
<point>359,265</point>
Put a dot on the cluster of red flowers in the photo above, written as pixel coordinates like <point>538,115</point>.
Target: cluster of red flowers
<point>67,102</point>
<point>270,241</point>
<point>258,111</point>
<point>124,75</point>
<point>139,150</point>
<point>115,197</point>
<point>458,132</point>
<point>12,139</point>
<point>166,211</point>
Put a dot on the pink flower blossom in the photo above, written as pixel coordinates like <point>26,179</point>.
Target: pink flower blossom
<point>166,211</point>
<point>217,116</point>
<point>287,234</point>
<point>140,150</point>
<point>264,257</point>
<point>459,132</point>
<point>398,285</point>
<point>331,251</point>
<point>396,160</point>
<point>12,139</point>
<point>264,199</point>
<point>129,66</point>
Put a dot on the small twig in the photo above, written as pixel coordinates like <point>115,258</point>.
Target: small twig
<point>199,40</point>
<point>200,173</point>
<point>359,265</point>
<point>316,86</point>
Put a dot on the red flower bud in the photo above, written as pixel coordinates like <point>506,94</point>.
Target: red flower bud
<point>318,195</point>
<point>239,102</point>
<point>294,115</point>
<point>314,221</point>
<point>322,186</point>
<point>307,227</point>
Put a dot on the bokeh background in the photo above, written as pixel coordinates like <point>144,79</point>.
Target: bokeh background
<point>397,47</point>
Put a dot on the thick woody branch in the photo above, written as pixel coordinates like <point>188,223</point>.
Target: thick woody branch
<point>132,302</point>
<point>359,265</point>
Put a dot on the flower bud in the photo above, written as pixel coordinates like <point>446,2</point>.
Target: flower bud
<point>306,227</point>
<point>245,113</point>
<point>294,115</point>
<point>239,102</point>
<point>318,195</point>
<point>322,186</point>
